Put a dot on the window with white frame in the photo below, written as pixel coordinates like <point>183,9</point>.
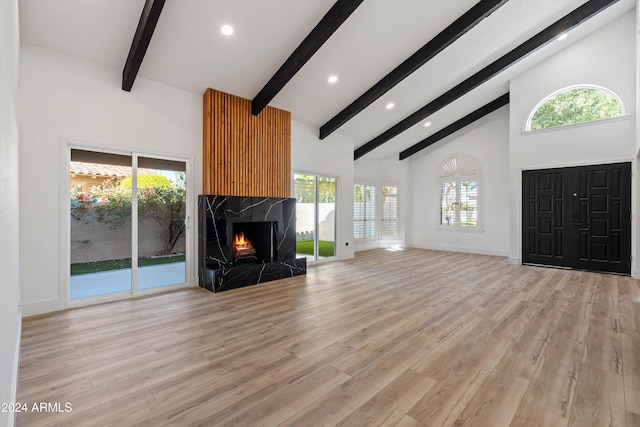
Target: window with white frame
<point>459,203</point>
<point>364,211</point>
<point>390,212</point>
<point>573,105</point>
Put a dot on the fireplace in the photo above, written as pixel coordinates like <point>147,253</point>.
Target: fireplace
<point>246,240</point>
<point>254,242</point>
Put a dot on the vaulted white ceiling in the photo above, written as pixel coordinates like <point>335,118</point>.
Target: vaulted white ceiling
<point>188,51</point>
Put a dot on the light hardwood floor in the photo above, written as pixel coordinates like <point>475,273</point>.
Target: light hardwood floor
<point>407,338</point>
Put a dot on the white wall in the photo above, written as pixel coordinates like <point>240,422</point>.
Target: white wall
<point>10,314</point>
<point>604,58</point>
<point>381,172</point>
<point>332,157</point>
<point>487,142</point>
<point>65,100</point>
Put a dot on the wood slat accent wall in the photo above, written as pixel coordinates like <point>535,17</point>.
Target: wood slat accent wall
<point>243,154</point>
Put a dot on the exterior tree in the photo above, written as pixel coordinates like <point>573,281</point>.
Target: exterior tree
<point>158,199</point>
<point>577,105</point>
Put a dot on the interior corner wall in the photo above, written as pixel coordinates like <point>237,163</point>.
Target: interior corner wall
<point>487,142</point>
<point>605,58</point>
<point>331,157</point>
<point>386,171</point>
<point>10,312</point>
<point>64,99</point>
<point>637,72</point>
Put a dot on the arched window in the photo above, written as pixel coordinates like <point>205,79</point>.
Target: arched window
<point>459,182</point>
<point>575,104</point>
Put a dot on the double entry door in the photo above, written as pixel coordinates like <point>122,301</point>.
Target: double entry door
<point>578,217</point>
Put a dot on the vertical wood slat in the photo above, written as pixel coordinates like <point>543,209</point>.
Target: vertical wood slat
<point>245,155</point>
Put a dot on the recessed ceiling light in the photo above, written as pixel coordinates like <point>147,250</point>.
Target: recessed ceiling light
<point>227,30</point>
<point>562,36</point>
<point>390,105</point>
<point>332,79</point>
<point>427,124</point>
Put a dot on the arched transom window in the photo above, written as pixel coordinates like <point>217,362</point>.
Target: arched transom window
<point>575,104</point>
<point>459,182</point>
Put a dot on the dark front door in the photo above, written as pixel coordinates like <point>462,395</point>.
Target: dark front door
<point>578,217</point>
<point>546,217</point>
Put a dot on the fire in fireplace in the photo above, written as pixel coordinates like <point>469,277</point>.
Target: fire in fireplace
<point>242,247</point>
<point>254,242</point>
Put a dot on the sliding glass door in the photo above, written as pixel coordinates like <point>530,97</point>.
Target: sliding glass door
<point>315,216</point>
<point>127,229</point>
<point>100,224</point>
<point>162,190</point>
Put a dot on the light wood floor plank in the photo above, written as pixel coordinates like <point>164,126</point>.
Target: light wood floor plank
<point>496,401</point>
<point>410,338</point>
<point>599,399</point>
<point>395,399</point>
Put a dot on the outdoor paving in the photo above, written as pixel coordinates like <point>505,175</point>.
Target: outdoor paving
<point>109,282</point>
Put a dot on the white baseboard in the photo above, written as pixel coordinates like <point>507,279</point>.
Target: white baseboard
<point>479,251</point>
<point>365,246</point>
<point>514,260</point>
<point>40,307</point>
<point>635,273</point>
<point>347,255</point>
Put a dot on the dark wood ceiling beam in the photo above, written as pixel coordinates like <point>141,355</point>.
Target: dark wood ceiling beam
<point>328,25</point>
<point>141,39</point>
<point>456,126</point>
<point>545,36</point>
<point>445,38</point>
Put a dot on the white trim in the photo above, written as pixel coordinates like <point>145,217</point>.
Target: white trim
<point>43,306</point>
<point>569,165</point>
<point>441,179</point>
<point>63,300</point>
<point>64,256</point>
<point>135,224</point>
<point>576,125</point>
<point>399,225</point>
<point>337,250</point>
<point>469,250</point>
<point>362,240</point>
<point>534,110</point>
<point>13,390</point>
<point>118,296</point>
<point>365,245</point>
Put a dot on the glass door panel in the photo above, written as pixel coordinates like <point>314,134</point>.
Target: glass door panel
<point>327,188</point>
<point>161,190</point>
<point>370,212</point>
<point>364,211</point>
<point>315,216</point>
<point>304,190</point>
<point>389,212</point>
<point>358,211</point>
<point>100,215</point>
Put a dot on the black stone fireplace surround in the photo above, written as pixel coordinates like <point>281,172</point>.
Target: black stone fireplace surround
<point>267,228</point>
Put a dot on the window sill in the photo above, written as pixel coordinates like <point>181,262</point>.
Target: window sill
<point>577,125</point>
<point>477,229</point>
